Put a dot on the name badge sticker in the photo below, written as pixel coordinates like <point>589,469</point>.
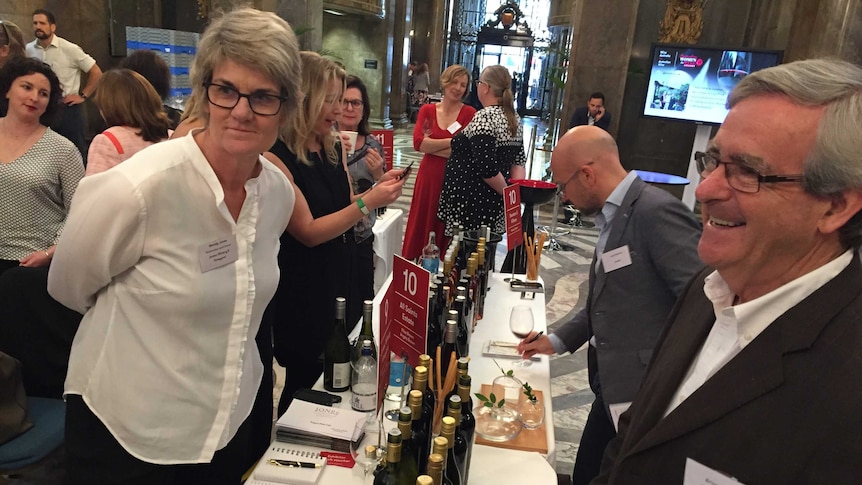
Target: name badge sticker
<point>218,253</point>
<point>699,474</point>
<point>616,258</point>
<point>454,127</point>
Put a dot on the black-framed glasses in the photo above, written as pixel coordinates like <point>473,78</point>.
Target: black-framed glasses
<point>263,104</point>
<point>742,178</point>
<point>353,103</point>
<point>562,186</point>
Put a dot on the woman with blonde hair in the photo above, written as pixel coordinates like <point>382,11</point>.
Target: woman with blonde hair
<point>133,110</point>
<point>488,153</point>
<point>435,127</point>
<point>318,251</point>
<point>171,257</point>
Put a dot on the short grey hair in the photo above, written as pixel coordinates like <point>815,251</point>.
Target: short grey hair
<point>260,40</point>
<point>835,163</point>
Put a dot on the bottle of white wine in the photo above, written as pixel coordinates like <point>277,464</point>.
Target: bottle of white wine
<point>336,355</point>
<point>367,332</point>
<point>392,473</point>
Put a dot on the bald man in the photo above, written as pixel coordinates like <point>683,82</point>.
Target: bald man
<point>645,255</point>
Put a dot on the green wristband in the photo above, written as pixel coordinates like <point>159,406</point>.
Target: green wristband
<point>362,207</point>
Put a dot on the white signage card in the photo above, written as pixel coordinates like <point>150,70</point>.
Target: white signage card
<point>616,258</point>
<point>218,253</point>
<point>699,474</point>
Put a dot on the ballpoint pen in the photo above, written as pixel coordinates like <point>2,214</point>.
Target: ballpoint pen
<point>293,464</point>
<point>536,337</point>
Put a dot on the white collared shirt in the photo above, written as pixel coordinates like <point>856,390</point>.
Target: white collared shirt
<point>737,325</point>
<point>66,59</point>
<point>165,355</point>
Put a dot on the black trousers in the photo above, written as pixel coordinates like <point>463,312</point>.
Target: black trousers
<point>93,455</point>
<point>69,122</point>
<point>598,431</point>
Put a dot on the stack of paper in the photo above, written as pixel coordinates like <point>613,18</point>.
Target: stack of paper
<point>315,425</point>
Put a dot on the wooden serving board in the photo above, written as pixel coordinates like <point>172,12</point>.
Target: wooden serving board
<point>527,440</point>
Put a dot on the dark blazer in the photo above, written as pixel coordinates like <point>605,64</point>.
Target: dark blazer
<point>627,308</point>
<point>581,117</point>
<point>785,410</point>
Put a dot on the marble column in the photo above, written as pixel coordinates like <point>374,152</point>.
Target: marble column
<point>602,34</point>
<point>824,28</point>
<point>437,44</point>
<point>403,14</point>
<point>306,17</point>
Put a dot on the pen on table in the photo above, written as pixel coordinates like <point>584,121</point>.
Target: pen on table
<point>536,337</point>
<point>293,464</point>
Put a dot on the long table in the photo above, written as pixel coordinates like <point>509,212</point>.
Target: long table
<point>490,465</point>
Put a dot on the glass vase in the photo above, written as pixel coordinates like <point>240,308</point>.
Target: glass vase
<point>532,413</point>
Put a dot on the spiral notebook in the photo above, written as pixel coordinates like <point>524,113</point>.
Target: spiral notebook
<point>266,473</point>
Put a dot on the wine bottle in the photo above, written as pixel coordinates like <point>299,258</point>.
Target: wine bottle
<point>440,448</point>
<point>428,363</point>
<point>391,474</point>
<point>431,254</point>
<point>435,469</point>
<point>364,381</point>
<point>460,445</point>
<point>447,430</point>
<point>336,355</point>
<point>367,332</point>
<point>481,275</point>
<point>468,420</point>
<point>463,337</point>
<point>449,347</point>
<point>420,427</point>
<point>409,451</point>
<point>435,336</point>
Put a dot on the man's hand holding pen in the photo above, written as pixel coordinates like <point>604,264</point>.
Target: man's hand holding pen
<point>535,343</point>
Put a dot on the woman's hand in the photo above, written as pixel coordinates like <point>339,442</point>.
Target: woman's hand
<point>374,162</point>
<point>36,259</point>
<point>385,192</point>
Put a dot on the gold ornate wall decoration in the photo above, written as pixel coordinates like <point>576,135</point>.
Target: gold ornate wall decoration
<point>683,22</point>
<point>203,9</point>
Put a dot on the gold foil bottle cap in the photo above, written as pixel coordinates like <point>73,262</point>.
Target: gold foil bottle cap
<point>424,480</point>
<point>440,445</point>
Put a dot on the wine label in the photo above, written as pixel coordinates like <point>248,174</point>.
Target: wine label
<point>341,375</point>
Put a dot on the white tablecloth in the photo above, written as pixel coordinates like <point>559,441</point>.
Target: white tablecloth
<point>387,242</point>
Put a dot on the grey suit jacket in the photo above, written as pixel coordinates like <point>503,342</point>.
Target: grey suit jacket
<point>627,308</point>
<point>785,410</point>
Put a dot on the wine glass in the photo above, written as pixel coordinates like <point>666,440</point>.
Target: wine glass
<point>366,445</point>
<point>521,324</point>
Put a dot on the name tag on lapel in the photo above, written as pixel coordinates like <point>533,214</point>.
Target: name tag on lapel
<point>218,253</point>
<point>700,474</point>
<point>616,258</point>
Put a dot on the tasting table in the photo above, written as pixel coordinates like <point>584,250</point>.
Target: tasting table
<point>489,465</point>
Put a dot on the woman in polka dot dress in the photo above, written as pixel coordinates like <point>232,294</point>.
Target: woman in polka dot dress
<point>39,169</point>
<point>484,157</point>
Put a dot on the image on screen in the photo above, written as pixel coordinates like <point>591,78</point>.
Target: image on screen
<point>691,83</point>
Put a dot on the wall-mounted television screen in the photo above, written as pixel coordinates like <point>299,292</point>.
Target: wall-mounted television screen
<point>691,83</point>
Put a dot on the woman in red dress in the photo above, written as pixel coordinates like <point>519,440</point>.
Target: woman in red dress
<point>435,127</point>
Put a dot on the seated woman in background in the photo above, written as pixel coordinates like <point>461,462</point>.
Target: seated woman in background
<point>318,251</point>
<point>435,127</point>
<point>39,169</point>
<point>133,110</point>
<point>488,153</point>
<point>156,71</point>
<point>364,166</point>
